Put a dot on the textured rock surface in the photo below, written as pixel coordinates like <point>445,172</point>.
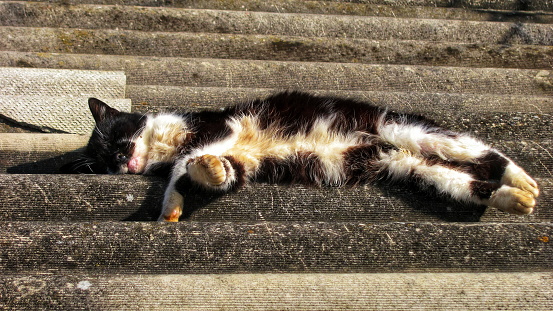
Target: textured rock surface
<point>87,242</point>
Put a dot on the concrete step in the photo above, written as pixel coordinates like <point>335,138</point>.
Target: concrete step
<point>529,11</point>
<point>169,71</point>
<point>290,24</point>
<point>61,83</point>
<point>54,114</point>
<point>338,291</point>
<point>273,47</point>
<point>31,153</point>
<point>494,118</point>
<point>228,247</point>
<point>155,98</point>
<point>54,100</point>
<point>463,4</point>
<point>78,198</point>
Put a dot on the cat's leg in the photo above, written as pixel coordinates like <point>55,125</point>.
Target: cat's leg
<point>455,182</point>
<point>422,139</point>
<point>173,201</point>
<point>216,173</point>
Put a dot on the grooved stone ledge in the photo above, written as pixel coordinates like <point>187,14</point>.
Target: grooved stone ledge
<point>240,22</point>
<point>359,291</point>
<point>275,47</point>
<point>149,70</point>
<point>225,247</point>
<point>128,197</point>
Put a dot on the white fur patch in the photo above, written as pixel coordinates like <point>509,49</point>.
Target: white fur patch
<point>400,164</point>
<point>420,141</point>
<point>516,177</point>
<point>158,141</point>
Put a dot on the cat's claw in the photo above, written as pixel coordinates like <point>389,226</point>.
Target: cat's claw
<point>172,209</point>
<point>513,200</point>
<point>172,217</point>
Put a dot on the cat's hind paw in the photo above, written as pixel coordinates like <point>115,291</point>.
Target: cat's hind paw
<point>513,200</point>
<point>211,171</point>
<point>515,176</point>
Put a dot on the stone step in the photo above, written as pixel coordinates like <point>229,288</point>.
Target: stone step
<point>273,47</point>
<point>494,118</point>
<point>251,247</point>
<point>277,5</point>
<point>291,24</point>
<point>302,291</point>
<point>529,11</point>
<point>174,71</point>
<point>61,83</point>
<point>26,153</point>
<point>78,198</point>
<point>54,114</point>
<point>54,100</point>
<point>155,98</point>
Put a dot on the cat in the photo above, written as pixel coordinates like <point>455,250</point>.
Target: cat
<point>299,137</point>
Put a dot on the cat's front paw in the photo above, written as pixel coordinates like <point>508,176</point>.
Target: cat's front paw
<point>513,200</point>
<point>210,171</point>
<point>172,208</point>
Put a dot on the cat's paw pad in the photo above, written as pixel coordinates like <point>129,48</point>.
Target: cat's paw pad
<point>515,176</point>
<point>209,170</point>
<point>172,208</point>
<point>513,200</point>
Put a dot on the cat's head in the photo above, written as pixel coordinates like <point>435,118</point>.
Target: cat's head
<point>111,144</point>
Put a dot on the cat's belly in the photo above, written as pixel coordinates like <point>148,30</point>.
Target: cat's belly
<point>250,145</point>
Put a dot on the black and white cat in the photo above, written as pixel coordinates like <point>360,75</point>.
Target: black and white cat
<point>297,137</point>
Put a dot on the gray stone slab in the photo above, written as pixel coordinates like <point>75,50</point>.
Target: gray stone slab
<point>225,247</point>
<point>37,143</point>
<point>155,98</point>
<point>54,113</point>
<point>143,70</point>
<point>237,22</point>
<point>463,10</point>
<point>359,291</point>
<point>23,153</point>
<point>126,197</point>
<point>58,82</point>
<point>274,47</point>
<point>283,4</point>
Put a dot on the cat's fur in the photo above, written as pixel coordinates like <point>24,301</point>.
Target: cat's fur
<point>297,137</point>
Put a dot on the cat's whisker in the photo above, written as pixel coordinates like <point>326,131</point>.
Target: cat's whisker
<point>97,130</point>
<point>136,135</point>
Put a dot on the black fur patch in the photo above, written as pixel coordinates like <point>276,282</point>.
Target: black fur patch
<point>303,168</point>
<point>483,189</point>
<point>490,167</point>
<point>359,163</point>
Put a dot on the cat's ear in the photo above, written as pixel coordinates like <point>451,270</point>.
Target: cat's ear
<point>100,110</point>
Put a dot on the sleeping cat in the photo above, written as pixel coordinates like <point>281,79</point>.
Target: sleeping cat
<point>297,137</point>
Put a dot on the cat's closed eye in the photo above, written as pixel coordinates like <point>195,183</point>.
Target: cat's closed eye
<point>120,157</point>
